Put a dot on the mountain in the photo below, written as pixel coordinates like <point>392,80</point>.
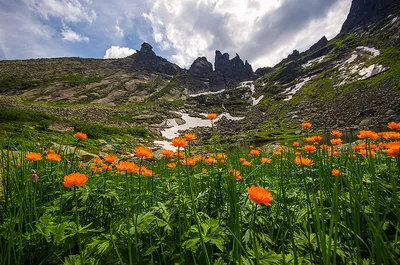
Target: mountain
<point>349,82</point>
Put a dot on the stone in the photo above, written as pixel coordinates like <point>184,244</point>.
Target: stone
<point>61,126</point>
<point>201,67</point>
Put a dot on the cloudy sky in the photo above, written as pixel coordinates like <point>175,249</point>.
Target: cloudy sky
<point>261,31</point>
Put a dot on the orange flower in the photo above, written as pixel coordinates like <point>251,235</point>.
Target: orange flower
<point>394,125</point>
<point>336,173</point>
<point>179,142</point>
<point>309,148</point>
<point>251,146</point>
<point>190,137</point>
<point>297,154</point>
<point>75,179</point>
<point>336,133</point>
<point>235,173</point>
<point>53,157</point>
<point>80,135</point>
<point>242,159</point>
<point>265,160</point>
<point>110,159</point>
<point>33,156</point>
<point>260,195</point>
<point>211,160</point>
<point>296,144</point>
<point>306,125</point>
<point>367,134</point>
<point>313,139</point>
<point>179,154</point>
<point>212,116</point>
<point>127,166</point>
<point>391,135</point>
<point>246,163</point>
<point>97,160</point>
<point>392,152</point>
<point>189,161</point>
<point>364,152</point>
<point>221,156</point>
<point>277,153</point>
<point>254,152</point>
<point>299,160</point>
<point>171,165</point>
<point>146,172</point>
<point>324,147</point>
<point>142,151</point>
<point>336,141</point>
<point>167,153</point>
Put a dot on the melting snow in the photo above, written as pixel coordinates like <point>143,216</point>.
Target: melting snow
<point>207,93</point>
<point>372,70</point>
<point>250,85</point>
<point>256,101</point>
<point>373,51</point>
<point>316,60</point>
<point>394,20</point>
<point>293,90</point>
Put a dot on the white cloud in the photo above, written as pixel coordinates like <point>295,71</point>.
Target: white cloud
<point>70,35</point>
<point>68,10</point>
<point>118,52</point>
<point>119,31</point>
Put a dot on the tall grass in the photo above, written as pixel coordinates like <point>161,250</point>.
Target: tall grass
<point>201,213</point>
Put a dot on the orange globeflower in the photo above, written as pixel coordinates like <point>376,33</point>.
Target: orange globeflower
<point>394,125</point>
<point>179,154</point>
<point>242,159</point>
<point>336,173</point>
<point>110,159</point>
<point>277,153</point>
<point>142,151</point>
<point>211,160</point>
<point>75,179</point>
<point>336,141</point>
<point>235,173</point>
<point>254,152</point>
<point>146,172</point>
<point>309,148</point>
<point>324,147</point>
<point>80,135</point>
<point>53,157</point>
<point>265,160</point>
<point>171,165</point>
<point>189,161</point>
<point>33,156</point>
<point>299,160</point>
<point>212,116</point>
<point>313,139</point>
<point>126,166</point>
<point>336,133</point>
<point>190,137</point>
<point>179,142</point>
<point>97,160</point>
<point>296,144</point>
<point>306,125</point>
<point>167,153</point>
<point>390,135</point>
<point>246,163</point>
<point>221,156</point>
<point>367,134</point>
<point>260,195</point>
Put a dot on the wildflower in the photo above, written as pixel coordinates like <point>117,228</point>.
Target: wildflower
<point>179,154</point>
<point>75,179</point>
<point>211,160</point>
<point>179,142</point>
<point>242,159</point>
<point>367,134</point>
<point>336,173</point>
<point>265,160</point>
<point>97,160</point>
<point>34,177</point>
<point>189,161</point>
<point>391,135</point>
<point>246,163</point>
<point>336,141</point>
<point>53,157</point>
<point>146,172</point>
<point>394,125</point>
<point>171,165</point>
<point>303,161</point>
<point>251,146</point>
<point>82,164</point>
<point>392,152</point>
<point>80,135</point>
<point>365,152</point>
<point>142,151</point>
<point>221,156</point>
<point>235,173</point>
<point>260,195</point>
<point>297,154</point>
<point>306,125</point>
<point>336,133</point>
<point>254,152</point>
<point>110,159</point>
<point>309,148</point>
<point>212,116</point>
<point>296,144</point>
<point>125,166</point>
<point>324,147</point>
<point>33,156</point>
<point>190,137</point>
<point>277,153</point>
<point>313,139</point>
<point>167,153</point>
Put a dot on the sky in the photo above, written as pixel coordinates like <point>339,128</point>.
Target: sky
<point>260,31</point>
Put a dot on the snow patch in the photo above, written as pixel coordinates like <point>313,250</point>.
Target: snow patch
<point>289,92</point>
<point>394,20</point>
<point>250,84</point>
<point>373,51</point>
<point>372,70</point>
<point>207,93</point>
<point>316,60</point>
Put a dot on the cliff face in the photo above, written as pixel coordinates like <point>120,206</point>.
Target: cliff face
<point>364,12</point>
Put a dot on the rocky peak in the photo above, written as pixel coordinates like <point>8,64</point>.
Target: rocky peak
<point>146,52</point>
<point>221,61</point>
<point>201,67</point>
<point>364,12</point>
<point>320,44</point>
